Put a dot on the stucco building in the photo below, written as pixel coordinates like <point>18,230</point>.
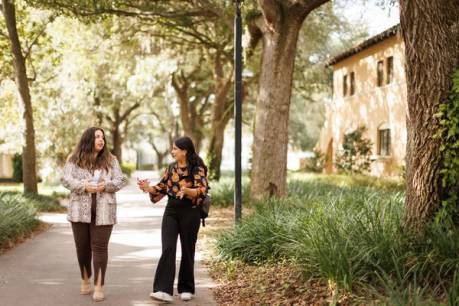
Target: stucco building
<point>369,88</point>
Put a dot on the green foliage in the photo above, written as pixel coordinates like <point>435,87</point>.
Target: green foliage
<point>17,167</point>
<point>128,168</point>
<point>214,174</point>
<point>17,217</point>
<point>346,181</point>
<point>41,202</point>
<point>18,213</point>
<point>314,163</point>
<point>448,134</point>
<point>356,153</point>
<point>223,191</point>
<point>46,203</point>
<point>351,236</point>
<point>312,81</point>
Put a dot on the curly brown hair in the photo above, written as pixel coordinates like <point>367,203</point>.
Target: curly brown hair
<point>83,154</point>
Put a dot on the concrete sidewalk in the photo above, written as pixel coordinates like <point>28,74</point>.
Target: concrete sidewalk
<point>44,271</point>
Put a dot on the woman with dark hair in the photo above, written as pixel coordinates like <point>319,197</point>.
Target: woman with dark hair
<point>93,175</point>
<point>185,184</point>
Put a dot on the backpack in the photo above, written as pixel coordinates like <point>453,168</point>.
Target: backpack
<point>205,207</point>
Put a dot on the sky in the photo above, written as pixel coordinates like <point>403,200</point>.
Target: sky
<point>377,18</point>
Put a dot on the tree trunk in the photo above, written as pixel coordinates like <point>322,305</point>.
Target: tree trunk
<point>117,141</point>
<point>269,168</point>
<point>431,34</point>
<point>117,135</point>
<point>220,119</point>
<point>160,160</point>
<point>160,155</point>
<point>29,153</point>
<point>221,114</point>
<point>99,114</point>
<point>216,150</point>
<point>189,117</point>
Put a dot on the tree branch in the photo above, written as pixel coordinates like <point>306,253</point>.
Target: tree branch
<point>35,40</point>
<point>130,110</point>
<point>271,12</point>
<point>161,125</point>
<point>128,9</point>
<point>112,121</point>
<point>203,107</point>
<point>312,5</point>
<point>155,148</point>
<point>255,36</point>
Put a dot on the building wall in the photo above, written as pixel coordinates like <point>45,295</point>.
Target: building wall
<point>371,105</point>
<point>6,165</point>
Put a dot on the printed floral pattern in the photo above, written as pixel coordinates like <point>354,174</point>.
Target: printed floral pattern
<point>177,177</point>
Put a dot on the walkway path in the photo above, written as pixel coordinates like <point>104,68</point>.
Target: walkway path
<point>43,271</point>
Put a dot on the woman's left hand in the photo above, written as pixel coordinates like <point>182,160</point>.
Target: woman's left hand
<point>100,186</point>
<point>183,192</point>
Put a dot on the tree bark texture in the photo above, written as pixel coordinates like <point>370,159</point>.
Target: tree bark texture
<point>222,112</point>
<point>22,83</point>
<point>431,34</point>
<point>278,29</point>
<point>190,115</point>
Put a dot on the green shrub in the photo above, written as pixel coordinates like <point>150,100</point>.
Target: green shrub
<point>45,203</point>
<point>147,167</point>
<point>42,203</point>
<point>17,216</point>
<point>261,236</point>
<point>7,180</point>
<point>128,168</point>
<point>448,136</point>
<point>351,235</point>
<point>223,191</point>
<point>356,153</point>
<point>315,163</point>
<point>17,167</point>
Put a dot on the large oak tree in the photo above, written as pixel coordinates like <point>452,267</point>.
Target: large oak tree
<point>207,23</point>
<point>20,54</point>
<point>431,35</point>
<point>278,28</point>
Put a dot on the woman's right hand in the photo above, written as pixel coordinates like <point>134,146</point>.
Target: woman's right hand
<point>145,186</point>
<point>89,187</point>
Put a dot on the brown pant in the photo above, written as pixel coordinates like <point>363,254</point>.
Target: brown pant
<point>91,241</point>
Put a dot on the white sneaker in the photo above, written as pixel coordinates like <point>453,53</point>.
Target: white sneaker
<point>186,296</point>
<point>161,296</point>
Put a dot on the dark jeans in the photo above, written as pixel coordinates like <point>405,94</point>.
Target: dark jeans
<point>91,241</point>
<point>180,219</point>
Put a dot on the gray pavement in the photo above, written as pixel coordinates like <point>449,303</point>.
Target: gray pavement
<point>43,271</point>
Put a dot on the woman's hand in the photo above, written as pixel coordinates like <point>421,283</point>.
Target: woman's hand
<point>145,186</point>
<point>182,192</point>
<point>186,192</point>
<point>100,186</point>
<point>89,187</point>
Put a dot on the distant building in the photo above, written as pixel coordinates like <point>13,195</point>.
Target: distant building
<point>369,88</point>
<point>6,165</point>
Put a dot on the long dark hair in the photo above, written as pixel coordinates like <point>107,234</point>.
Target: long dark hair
<point>83,154</point>
<point>192,158</point>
